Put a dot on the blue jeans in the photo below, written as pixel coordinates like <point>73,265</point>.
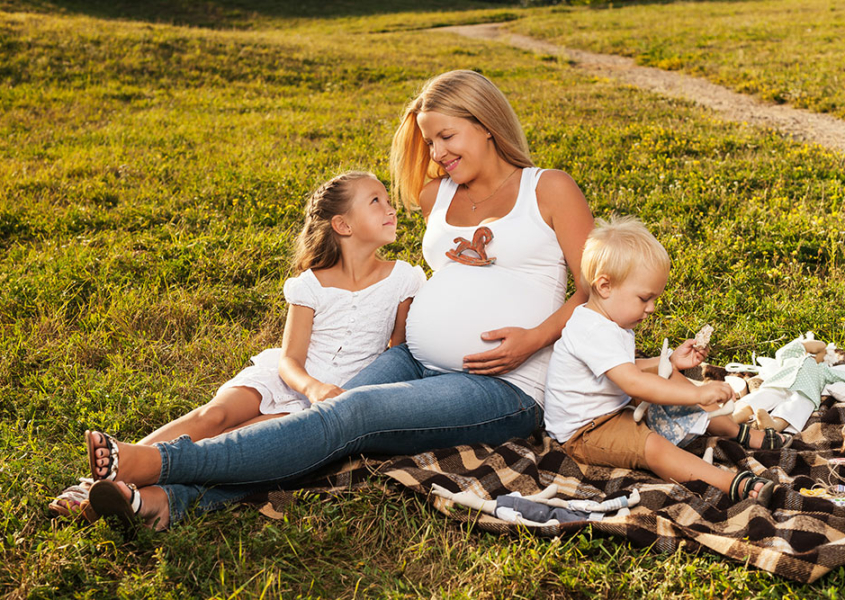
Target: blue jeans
<point>394,406</point>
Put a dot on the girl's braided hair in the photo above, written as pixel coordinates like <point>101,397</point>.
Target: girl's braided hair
<point>317,246</point>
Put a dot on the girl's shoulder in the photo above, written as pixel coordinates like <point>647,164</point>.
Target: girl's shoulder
<point>410,278</point>
<point>303,289</point>
<point>405,269</point>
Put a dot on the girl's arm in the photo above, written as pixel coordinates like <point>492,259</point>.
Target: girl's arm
<point>565,210</point>
<point>657,390</point>
<point>398,335</point>
<point>295,342</point>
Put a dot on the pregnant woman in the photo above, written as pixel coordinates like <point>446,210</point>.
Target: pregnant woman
<point>500,235</point>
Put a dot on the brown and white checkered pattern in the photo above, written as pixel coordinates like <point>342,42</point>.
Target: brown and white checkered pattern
<point>797,537</point>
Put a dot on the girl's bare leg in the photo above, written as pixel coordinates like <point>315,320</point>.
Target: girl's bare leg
<point>257,419</point>
<point>230,409</point>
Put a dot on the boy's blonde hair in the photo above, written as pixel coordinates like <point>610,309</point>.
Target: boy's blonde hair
<point>614,248</point>
<point>464,94</point>
<point>317,246</point>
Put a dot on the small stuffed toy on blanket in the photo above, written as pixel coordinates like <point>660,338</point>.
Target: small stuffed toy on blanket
<point>542,508</point>
<point>793,384</point>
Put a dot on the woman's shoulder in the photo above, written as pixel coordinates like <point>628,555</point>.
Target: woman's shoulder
<point>559,196</point>
<point>428,195</point>
<point>554,182</point>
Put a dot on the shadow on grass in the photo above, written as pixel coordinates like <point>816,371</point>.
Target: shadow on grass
<point>238,13</point>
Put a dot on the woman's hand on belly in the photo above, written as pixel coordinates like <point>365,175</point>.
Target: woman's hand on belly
<point>517,346</point>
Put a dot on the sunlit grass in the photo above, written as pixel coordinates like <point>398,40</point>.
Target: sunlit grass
<point>150,188</point>
<point>779,50</point>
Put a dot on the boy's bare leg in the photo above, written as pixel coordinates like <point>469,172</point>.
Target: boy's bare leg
<point>671,463</point>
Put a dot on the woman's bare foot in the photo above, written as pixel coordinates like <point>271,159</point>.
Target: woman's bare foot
<point>116,499</point>
<point>140,465</point>
<point>155,507</point>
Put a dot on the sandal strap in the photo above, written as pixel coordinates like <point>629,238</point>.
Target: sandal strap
<point>738,491</point>
<point>113,457</point>
<point>111,465</point>
<point>744,436</point>
<point>74,493</point>
<point>134,498</point>
<point>775,440</point>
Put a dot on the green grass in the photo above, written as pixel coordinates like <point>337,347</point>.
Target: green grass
<point>151,184</point>
<point>779,50</point>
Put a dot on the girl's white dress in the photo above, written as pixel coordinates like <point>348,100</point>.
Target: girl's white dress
<point>350,330</point>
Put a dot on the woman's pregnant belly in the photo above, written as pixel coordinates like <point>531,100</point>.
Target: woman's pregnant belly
<point>460,302</point>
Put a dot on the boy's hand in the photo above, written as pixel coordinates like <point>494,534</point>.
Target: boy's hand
<point>686,356</point>
<point>714,392</point>
<point>324,391</point>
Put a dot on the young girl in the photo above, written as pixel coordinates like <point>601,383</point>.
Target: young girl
<point>346,307</point>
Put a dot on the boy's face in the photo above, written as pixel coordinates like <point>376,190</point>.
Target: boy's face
<point>629,302</point>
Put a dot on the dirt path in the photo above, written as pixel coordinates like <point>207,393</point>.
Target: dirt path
<point>800,124</point>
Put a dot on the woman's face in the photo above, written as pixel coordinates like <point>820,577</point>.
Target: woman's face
<point>458,145</point>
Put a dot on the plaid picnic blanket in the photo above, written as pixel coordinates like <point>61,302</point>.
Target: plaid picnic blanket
<point>797,537</point>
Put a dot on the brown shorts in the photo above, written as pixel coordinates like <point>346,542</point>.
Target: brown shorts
<point>613,440</point>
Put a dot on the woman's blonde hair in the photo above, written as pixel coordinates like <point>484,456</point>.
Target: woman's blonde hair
<point>464,94</point>
<point>317,246</point>
<point>614,248</point>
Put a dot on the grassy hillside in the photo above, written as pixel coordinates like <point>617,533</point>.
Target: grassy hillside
<point>151,184</point>
<point>779,50</point>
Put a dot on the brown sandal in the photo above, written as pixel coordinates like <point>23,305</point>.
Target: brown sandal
<point>745,482</point>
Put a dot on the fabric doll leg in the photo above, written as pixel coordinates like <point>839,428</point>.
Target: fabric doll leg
<point>767,398</point>
<point>795,411</point>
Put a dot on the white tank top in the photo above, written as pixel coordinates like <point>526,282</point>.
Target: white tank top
<point>525,285</point>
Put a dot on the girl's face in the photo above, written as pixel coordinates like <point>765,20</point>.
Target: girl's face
<point>371,217</point>
<point>458,145</point>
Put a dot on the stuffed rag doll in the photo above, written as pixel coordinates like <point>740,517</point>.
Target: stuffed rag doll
<point>793,384</point>
<point>542,508</point>
<point>679,424</point>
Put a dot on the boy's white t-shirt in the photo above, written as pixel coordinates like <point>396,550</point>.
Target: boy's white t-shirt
<point>577,389</point>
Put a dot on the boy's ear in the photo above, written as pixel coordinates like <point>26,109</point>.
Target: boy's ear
<point>340,226</point>
<point>602,286</point>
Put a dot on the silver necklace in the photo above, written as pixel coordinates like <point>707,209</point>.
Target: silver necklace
<point>493,193</point>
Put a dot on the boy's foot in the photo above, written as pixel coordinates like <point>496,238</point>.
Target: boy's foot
<point>747,485</point>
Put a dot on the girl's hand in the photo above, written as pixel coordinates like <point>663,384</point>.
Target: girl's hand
<point>517,346</point>
<point>324,391</point>
<point>686,356</point>
<point>714,392</point>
